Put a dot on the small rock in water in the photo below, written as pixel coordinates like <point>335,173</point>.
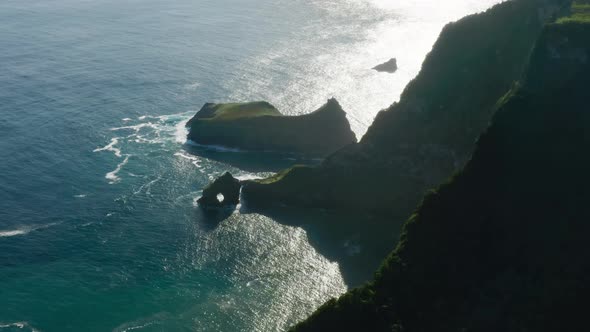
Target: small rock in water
<point>387,67</point>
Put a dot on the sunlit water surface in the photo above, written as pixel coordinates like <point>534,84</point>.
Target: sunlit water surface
<point>99,230</point>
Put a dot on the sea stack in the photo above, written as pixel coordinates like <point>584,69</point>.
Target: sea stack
<point>259,126</point>
<point>224,191</point>
<point>388,67</point>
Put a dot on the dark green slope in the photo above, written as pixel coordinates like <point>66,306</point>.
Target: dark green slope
<point>503,246</point>
<point>430,133</point>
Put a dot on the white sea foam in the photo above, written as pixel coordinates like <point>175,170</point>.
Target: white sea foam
<point>153,129</point>
<point>19,325</point>
<point>194,159</point>
<point>112,176</point>
<point>142,140</point>
<point>147,186</point>
<point>24,231</point>
<point>80,196</point>
<point>180,132</point>
<point>192,86</point>
<point>111,147</point>
<point>15,232</point>
<point>244,177</point>
<point>136,127</point>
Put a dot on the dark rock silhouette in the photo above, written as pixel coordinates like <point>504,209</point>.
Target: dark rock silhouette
<point>259,126</point>
<point>226,185</point>
<point>390,66</point>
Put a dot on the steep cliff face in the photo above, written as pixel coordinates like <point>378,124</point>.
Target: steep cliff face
<point>503,245</point>
<point>258,126</point>
<point>430,133</point>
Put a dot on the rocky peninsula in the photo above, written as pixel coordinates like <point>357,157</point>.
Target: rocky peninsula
<point>259,126</point>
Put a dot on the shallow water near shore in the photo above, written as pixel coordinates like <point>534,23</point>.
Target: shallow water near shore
<point>99,229</point>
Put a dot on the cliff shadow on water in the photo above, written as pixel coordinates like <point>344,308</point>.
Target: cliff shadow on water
<point>357,242</point>
<point>250,161</point>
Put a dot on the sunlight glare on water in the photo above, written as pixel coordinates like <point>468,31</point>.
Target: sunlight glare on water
<point>309,66</point>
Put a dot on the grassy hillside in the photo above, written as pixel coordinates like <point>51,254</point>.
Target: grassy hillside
<point>580,13</point>
<point>503,245</point>
<point>234,111</point>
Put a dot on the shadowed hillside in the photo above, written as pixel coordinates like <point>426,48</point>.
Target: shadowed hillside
<point>503,245</point>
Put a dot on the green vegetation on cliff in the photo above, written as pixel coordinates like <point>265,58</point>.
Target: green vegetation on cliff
<point>502,246</point>
<point>580,13</point>
<point>233,111</point>
<point>258,126</point>
<point>430,133</point>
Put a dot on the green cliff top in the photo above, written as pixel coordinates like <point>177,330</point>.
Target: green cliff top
<point>580,13</point>
<point>234,111</point>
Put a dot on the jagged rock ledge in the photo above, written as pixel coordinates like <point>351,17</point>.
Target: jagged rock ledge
<point>259,126</point>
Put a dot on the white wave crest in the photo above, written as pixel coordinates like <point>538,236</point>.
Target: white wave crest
<point>14,232</point>
<point>19,325</point>
<point>147,186</point>
<point>152,129</point>
<point>180,132</point>
<point>136,127</point>
<point>24,231</point>
<point>112,176</point>
<point>244,177</point>
<point>192,86</point>
<point>194,159</point>
<point>111,147</point>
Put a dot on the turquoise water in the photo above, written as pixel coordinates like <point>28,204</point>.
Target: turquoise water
<point>99,230</point>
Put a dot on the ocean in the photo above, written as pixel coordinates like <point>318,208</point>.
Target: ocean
<point>99,227</point>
